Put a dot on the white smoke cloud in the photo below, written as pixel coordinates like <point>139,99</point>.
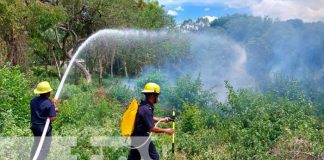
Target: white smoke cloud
<point>206,9</point>
<point>217,59</point>
<point>214,59</point>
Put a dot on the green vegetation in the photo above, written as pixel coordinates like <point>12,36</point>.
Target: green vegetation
<point>273,125</point>
<point>282,120</point>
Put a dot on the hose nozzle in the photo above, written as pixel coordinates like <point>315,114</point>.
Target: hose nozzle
<point>171,119</point>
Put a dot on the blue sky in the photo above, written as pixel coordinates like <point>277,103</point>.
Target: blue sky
<point>192,11</point>
<point>308,11</point>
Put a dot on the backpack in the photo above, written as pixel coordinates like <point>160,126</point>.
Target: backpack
<point>128,120</point>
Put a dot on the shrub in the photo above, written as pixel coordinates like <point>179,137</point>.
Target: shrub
<point>255,122</point>
<point>121,92</point>
<point>190,91</point>
<point>191,119</point>
<point>15,94</point>
<point>10,125</point>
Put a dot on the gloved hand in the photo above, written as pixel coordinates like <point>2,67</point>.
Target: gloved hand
<point>57,110</point>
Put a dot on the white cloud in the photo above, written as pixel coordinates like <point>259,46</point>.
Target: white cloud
<point>206,9</point>
<point>210,18</point>
<point>172,13</point>
<point>229,3</point>
<point>309,11</point>
<point>179,8</point>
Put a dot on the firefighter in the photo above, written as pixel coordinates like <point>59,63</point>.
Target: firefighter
<point>145,122</point>
<point>41,108</point>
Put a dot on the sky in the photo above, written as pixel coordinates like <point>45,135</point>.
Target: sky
<point>306,10</point>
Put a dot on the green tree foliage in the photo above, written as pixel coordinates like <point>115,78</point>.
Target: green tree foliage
<point>24,24</point>
<point>153,16</point>
<point>14,97</point>
<point>98,14</point>
<point>44,19</point>
<point>12,24</point>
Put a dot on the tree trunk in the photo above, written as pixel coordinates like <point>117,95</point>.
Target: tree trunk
<point>80,66</point>
<point>50,49</point>
<point>112,60</point>
<point>69,53</point>
<point>12,49</point>
<point>125,68</point>
<point>57,66</point>
<point>46,68</point>
<point>100,72</point>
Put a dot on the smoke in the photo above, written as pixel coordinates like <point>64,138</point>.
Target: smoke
<point>213,58</point>
<point>218,59</point>
<point>243,58</point>
<point>253,57</point>
<point>291,48</point>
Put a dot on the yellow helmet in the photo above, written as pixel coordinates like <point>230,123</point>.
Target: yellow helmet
<point>43,87</point>
<point>151,88</point>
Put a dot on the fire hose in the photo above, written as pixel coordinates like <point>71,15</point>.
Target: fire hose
<point>156,124</point>
<point>148,138</point>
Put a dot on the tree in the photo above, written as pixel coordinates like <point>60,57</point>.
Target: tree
<point>12,19</point>
<point>85,17</point>
<point>24,24</point>
<point>47,33</point>
<point>43,20</point>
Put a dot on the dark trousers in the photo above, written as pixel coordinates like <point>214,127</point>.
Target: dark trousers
<point>134,154</point>
<point>37,132</point>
